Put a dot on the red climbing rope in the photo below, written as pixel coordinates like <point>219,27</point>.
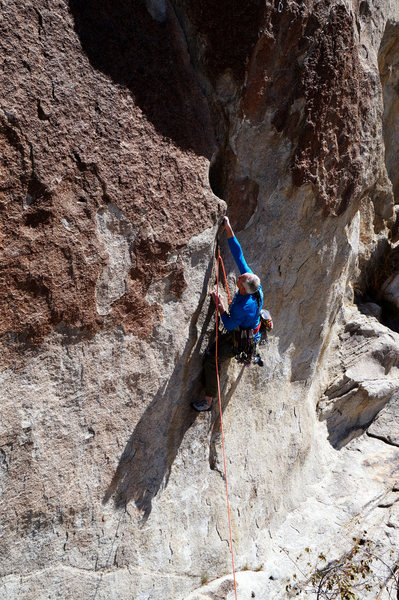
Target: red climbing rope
<point>224,274</point>
<point>220,261</point>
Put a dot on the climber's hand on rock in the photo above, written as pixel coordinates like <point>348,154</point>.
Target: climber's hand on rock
<point>218,301</point>
<point>216,297</point>
<point>227,227</point>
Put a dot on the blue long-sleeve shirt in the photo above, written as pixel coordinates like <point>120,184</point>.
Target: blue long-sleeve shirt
<point>244,309</point>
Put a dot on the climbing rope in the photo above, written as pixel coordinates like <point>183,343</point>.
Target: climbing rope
<point>224,275</point>
<point>220,261</point>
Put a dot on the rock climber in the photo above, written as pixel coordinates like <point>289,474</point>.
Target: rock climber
<point>244,313</point>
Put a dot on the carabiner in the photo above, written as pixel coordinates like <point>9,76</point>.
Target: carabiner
<point>280,6</point>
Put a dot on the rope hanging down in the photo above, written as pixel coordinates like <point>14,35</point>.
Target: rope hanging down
<point>220,261</point>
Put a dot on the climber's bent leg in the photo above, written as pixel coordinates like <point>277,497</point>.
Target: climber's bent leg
<point>225,352</point>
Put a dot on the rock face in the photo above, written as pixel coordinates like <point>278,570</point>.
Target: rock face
<point>128,130</point>
<point>87,143</point>
<point>368,382</point>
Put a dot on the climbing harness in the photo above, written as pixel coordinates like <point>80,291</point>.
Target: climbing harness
<point>220,261</point>
<point>245,345</point>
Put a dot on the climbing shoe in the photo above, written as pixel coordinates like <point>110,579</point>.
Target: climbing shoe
<point>201,405</point>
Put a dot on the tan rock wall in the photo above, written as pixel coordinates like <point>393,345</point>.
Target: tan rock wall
<point>111,116</point>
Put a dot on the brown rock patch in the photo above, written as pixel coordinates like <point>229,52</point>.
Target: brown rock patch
<point>100,105</point>
<point>308,56</point>
<point>231,30</point>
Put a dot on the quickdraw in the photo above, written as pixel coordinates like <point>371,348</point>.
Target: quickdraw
<point>245,348</point>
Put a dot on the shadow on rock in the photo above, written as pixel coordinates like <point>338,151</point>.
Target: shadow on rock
<point>216,428</point>
<point>146,462</point>
<point>147,459</point>
<point>148,57</point>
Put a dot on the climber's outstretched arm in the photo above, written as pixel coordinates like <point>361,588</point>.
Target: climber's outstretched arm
<point>235,248</point>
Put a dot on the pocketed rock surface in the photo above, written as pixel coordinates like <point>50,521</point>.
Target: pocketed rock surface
<point>128,129</point>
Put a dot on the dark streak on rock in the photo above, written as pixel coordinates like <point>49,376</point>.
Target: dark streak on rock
<point>384,439</point>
